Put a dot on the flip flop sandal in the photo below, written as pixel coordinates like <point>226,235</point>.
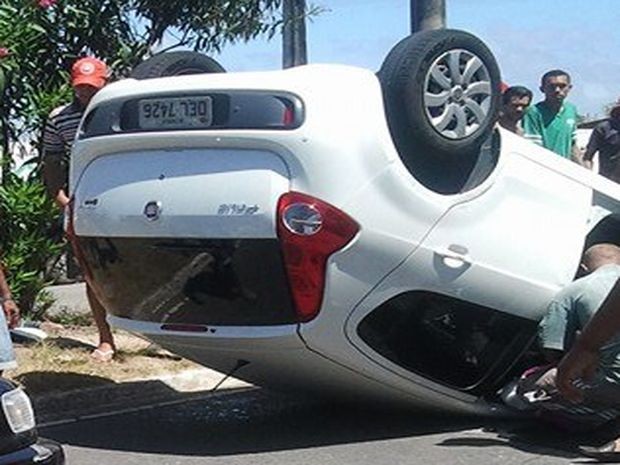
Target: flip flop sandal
<point>103,356</point>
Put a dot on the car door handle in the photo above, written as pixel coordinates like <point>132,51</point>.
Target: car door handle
<point>455,256</point>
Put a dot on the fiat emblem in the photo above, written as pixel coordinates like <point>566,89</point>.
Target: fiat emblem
<point>152,210</point>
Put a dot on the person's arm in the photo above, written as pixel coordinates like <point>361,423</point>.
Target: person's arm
<point>582,359</point>
<point>55,176</point>
<point>8,304</point>
<point>54,167</point>
<point>591,149</point>
<point>531,127</point>
<point>577,155</point>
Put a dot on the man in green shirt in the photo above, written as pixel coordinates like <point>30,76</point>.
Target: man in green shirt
<point>552,123</point>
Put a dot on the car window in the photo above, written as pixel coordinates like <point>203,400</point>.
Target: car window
<point>445,339</point>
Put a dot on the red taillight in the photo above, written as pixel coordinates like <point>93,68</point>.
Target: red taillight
<point>310,230</point>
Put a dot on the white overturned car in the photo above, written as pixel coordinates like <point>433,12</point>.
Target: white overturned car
<point>331,229</point>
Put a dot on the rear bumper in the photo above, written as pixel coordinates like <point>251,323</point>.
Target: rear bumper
<point>44,452</point>
<point>278,358</point>
<point>222,346</point>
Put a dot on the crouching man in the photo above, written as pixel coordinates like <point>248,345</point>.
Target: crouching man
<point>566,317</point>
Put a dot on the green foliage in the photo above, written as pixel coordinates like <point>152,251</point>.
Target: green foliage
<point>44,301</point>
<point>206,25</point>
<point>45,37</point>
<point>27,218</point>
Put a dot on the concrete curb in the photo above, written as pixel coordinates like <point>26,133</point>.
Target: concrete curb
<point>69,299</point>
<point>132,395</point>
<point>125,396</point>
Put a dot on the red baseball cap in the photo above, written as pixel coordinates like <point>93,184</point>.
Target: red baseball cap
<point>90,71</point>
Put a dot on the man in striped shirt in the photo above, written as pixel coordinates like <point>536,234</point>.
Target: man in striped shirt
<point>88,76</point>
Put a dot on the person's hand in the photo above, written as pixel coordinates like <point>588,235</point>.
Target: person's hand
<point>547,380</point>
<point>580,363</point>
<point>62,199</point>
<point>11,310</point>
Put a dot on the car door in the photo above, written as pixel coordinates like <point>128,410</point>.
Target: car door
<point>516,245</point>
<point>464,305</point>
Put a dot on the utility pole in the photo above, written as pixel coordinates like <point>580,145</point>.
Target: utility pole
<point>294,33</point>
<point>427,15</point>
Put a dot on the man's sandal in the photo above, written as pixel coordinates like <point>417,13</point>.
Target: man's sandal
<point>103,356</point>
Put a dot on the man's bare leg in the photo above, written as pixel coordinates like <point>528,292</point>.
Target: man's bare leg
<point>105,350</point>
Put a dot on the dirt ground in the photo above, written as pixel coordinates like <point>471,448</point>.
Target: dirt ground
<point>62,362</point>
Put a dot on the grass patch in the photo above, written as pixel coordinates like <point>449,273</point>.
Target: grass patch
<point>63,362</point>
<point>66,317</point>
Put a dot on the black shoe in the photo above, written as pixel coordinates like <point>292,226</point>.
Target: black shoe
<point>605,453</point>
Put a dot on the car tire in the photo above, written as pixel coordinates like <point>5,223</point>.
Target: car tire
<point>176,64</point>
<point>441,92</point>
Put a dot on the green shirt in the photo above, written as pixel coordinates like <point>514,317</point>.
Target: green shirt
<point>554,131</point>
<point>571,310</point>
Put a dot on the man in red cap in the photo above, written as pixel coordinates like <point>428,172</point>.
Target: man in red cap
<point>605,140</point>
<point>88,76</point>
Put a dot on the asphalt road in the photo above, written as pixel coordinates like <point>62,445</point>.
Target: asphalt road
<point>261,428</point>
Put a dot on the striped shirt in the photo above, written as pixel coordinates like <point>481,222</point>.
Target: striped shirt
<point>58,136</point>
<point>61,128</point>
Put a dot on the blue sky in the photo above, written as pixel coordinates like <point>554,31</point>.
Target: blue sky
<point>528,37</point>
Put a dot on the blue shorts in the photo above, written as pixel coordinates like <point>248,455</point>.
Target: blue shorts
<point>7,355</point>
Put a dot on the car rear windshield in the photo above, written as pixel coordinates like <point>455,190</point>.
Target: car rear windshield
<point>191,281</point>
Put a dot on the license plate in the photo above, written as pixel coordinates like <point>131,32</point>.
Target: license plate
<point>175,113</point>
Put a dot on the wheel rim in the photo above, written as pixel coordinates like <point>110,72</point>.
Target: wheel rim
<point>457,94</point>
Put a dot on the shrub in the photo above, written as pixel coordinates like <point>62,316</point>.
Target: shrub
<point>28,219</point>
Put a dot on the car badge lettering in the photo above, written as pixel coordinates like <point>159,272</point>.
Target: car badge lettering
<point>237,209</point>
<point>152,210</point>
